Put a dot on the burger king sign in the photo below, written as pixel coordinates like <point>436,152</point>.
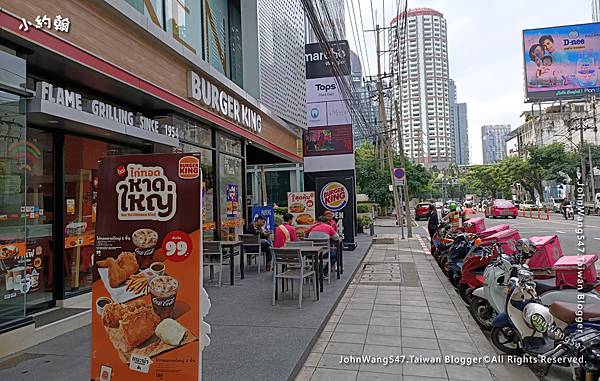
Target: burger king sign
<point>334,196</point>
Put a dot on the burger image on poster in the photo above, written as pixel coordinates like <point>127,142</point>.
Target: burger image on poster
<point>334,197</point>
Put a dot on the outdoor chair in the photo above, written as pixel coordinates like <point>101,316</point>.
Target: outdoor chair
<point>326,257</point>
<point>251,248</point>
<point>213,256</point>
<point>296,269</point>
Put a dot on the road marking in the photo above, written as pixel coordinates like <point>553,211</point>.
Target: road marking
<point>561,232</point>
<point>597,239</point>
<point>423,245</point>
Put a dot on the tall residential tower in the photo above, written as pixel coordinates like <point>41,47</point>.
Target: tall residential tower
<point>420,84</point>
<point>493,142</point>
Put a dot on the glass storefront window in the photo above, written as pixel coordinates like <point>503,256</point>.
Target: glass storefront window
<point>154,9</point>
<point>184,23</point>
<point>230,145</point>
<point>13,167</point>
<point>208,179</point>
<point>278,185</point>
<point>191,131</point>
<point>39,201</point>
<point>81,157</point>
<point>230,195</point>
<point>216,27</point>
<point>235,35</point>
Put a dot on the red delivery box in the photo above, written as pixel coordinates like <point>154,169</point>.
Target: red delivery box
<point>547,253</point>
<point>474,225</point>
<point>506,238</point>
<point>567,269</point>
<point>493,230</point>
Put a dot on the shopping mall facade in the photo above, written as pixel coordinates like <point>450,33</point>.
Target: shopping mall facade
<point>123,79</point>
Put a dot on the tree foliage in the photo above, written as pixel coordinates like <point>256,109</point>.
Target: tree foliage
<point>374,181</point>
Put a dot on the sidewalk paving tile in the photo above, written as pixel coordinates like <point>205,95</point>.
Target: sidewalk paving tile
<point>305,373</point>
<point>313,359</point>
<point>332,361</point>
<point>383,340</point>
<point>468,373</point>
<point>351,328</point>
<point>427,370</point>
<point>344,337</point>
<point>344,348</point>
<point>418,342</point>
<point>324,374</point>
<point>371,376</point>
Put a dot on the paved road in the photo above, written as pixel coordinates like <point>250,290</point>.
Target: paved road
<point>556,225</point>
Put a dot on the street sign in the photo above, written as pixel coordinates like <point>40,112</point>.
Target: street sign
<point>399,176</point>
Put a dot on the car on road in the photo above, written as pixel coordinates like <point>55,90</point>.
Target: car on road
<point>438,204</point>
<point>501,208</point>
<point>421,211</point>
<point>528,205</point>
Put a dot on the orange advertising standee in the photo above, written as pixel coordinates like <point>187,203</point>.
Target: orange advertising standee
<point>147,322</point>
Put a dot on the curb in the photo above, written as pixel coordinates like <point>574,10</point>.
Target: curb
<point>300,363</point>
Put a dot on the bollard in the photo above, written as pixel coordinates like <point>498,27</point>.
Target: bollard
<point>538,213</point>
<point>547,215</point>
<point>530,213</point>
<point>371,230</point>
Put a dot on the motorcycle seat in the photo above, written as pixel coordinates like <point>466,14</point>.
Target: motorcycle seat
<point>544,285</point>
<point>567,311</point>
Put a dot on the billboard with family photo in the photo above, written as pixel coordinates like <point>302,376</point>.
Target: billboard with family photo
<point>147,279</point>
<point>562,62</point>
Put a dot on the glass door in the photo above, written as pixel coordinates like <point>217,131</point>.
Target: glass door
<point>81,162</point>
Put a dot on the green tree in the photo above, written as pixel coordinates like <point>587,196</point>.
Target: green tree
<point>370,179</point>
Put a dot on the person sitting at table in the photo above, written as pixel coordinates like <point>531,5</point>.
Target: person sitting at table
<point>329,215</point>
<point>258,228</point>
<point>322,229</point>
<point>285,232</point>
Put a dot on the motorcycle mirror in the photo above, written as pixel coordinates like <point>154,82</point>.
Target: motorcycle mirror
<point>477,241</point>
<point>513,282</point>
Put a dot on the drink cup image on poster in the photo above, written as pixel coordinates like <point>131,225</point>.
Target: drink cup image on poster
<point>302,206</point>
<point>147,278</point>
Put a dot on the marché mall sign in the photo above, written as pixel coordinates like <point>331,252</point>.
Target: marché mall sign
<point>202,90</point>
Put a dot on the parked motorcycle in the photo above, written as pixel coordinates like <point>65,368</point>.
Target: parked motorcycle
<point>568,212</point>
<point>529,326</point>
<point>490,300</point>
<point>471,272</point>
<point>586,345</point>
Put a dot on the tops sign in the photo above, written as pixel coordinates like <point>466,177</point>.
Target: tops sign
<point>203,90</point>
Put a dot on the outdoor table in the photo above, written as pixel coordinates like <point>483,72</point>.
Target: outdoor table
<point>230,247</point>
<point>312,251</point>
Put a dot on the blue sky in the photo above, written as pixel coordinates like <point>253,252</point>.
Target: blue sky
<point>484,47</point>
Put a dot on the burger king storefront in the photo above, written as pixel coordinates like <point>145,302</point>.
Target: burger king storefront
<point>65,103</point>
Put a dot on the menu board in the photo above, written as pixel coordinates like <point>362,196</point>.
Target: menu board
<point>302,206</point>
<point>147,285</point>
<point>232,200</point>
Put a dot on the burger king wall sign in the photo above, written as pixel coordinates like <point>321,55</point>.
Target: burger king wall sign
<point>334,196</point>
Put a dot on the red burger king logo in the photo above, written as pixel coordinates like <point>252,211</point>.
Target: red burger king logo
<point>334,196</point>
<point>189,167</point>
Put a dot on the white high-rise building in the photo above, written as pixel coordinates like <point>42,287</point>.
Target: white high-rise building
<point>493,142</point>
<point>420,84</point>
<point>336,11</point>
<point>596,10</point>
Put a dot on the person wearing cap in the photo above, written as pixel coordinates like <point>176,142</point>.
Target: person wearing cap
<point>453,216</point>
<point>329,215</point>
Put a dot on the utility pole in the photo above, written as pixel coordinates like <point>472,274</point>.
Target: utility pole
<point>582,154</point>
<point>591,173</point>
<point>382,120</point>
<point>403,165</point>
